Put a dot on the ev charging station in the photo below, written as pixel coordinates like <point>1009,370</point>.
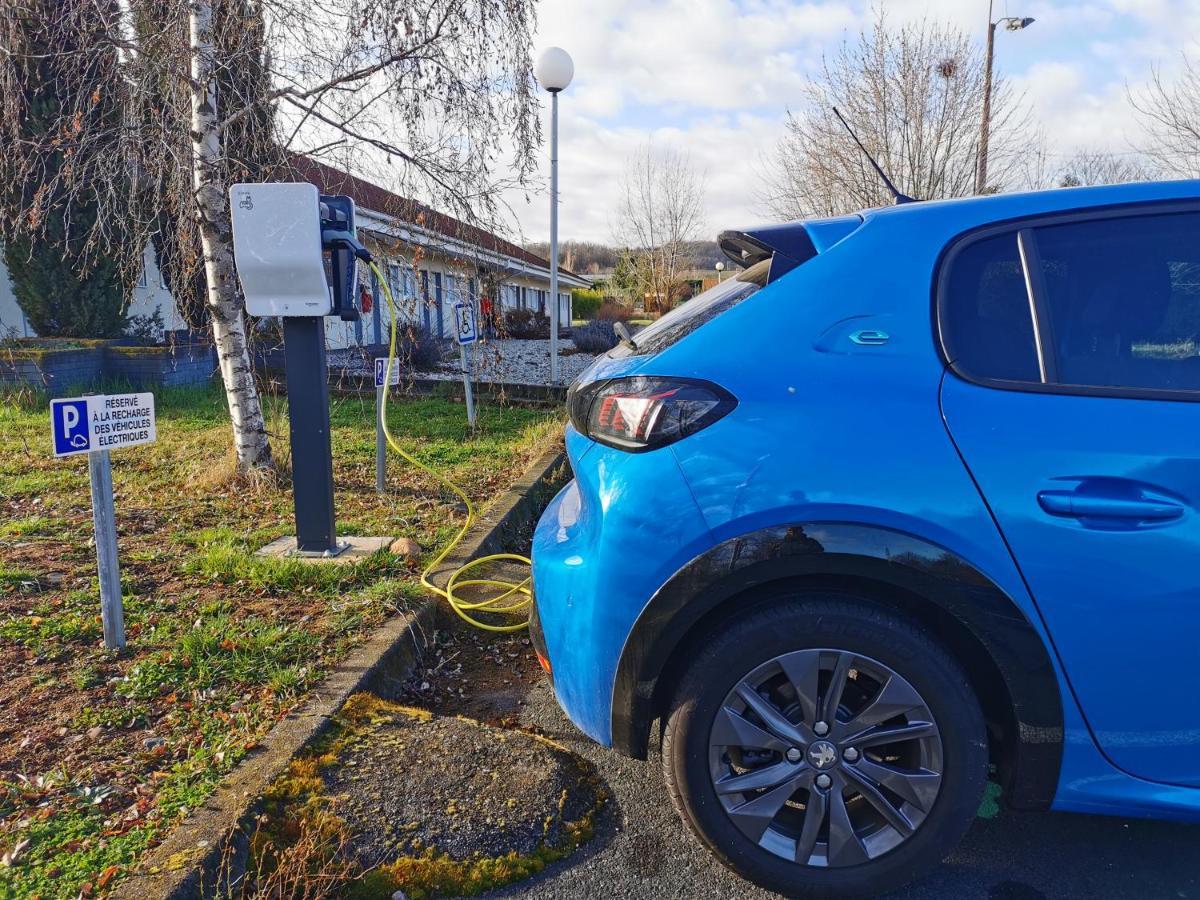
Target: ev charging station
<point>296,252</point>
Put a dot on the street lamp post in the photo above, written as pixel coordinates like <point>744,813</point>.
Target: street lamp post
<point>554,72</point>
<point>720,267</point>
<point>1011,23</point>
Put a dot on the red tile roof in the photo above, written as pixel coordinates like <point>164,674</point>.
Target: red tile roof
<point>370,196</point>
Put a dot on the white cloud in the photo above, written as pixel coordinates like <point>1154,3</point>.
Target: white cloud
<point>692,53</point>
<point>592,158</point>
<point>715,77</point>
<point>1073,113</point>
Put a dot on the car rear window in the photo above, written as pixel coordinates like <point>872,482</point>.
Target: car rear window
<point>1123,297</point>
<point>1115,297</point>
<point>987,319</point>
<point>701,309</point>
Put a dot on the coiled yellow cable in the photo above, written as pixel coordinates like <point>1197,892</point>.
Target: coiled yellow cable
<point>514,598</point>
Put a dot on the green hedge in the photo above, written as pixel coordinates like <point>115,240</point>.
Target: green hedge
<point>585,303</point>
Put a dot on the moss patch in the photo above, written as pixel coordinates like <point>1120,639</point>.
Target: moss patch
<point>431,805</point>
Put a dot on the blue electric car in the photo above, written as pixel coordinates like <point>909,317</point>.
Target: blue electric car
<point>911,498</point>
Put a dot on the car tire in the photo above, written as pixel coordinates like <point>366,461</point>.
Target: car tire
<point>866,843</point>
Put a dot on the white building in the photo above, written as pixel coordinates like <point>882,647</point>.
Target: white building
<point>432,261</point>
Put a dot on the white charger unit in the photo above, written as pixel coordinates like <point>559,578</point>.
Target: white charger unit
<point>277,248</point>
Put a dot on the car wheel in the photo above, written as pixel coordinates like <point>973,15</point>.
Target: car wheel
<point>823,746</point>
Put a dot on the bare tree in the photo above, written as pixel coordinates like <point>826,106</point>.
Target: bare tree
<point>62,286</point>
<point>660,211</point>
<point>62,126</point>
<point>1103,167</point>
<point>251,148</point>
<point>441,88</point>
<point>914,97</point>
<point>1170,112</point>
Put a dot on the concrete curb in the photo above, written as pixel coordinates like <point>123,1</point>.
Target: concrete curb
<point>188,862</point>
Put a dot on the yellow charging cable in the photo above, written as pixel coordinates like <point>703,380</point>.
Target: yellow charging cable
<point>513,600</point>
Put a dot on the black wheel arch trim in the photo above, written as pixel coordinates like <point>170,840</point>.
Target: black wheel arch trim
<point>832,550</point>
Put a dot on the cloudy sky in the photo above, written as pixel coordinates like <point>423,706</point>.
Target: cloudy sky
<point>715,77</point>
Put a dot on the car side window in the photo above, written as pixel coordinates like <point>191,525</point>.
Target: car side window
<point>1122,295</point>
<point>987,324</point>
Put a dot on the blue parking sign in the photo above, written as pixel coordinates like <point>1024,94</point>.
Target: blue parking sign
<point>70,425</point>
<point>464,317</point>
<point>381,370</point>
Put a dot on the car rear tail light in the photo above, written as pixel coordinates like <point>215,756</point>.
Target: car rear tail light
<point>646,412</point>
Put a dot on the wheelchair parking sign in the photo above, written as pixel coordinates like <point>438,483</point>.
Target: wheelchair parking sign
<point>464,318</point>
<point>381,371</point>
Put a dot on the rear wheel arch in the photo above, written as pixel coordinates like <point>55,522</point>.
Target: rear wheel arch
<point>1005,658</point>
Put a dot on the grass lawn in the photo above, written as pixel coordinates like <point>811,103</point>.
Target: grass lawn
<point>101,753</point>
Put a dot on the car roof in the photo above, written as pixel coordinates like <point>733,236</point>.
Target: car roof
<point>999,207</point>
<point>939,220</point>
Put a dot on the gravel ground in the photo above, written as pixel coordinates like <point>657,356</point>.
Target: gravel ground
<point>467,788</point>
<point>642,850</point>
<point>646,850</point>
<point>509,361</point>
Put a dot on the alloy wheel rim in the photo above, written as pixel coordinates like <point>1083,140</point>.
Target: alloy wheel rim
<point>825,757</point>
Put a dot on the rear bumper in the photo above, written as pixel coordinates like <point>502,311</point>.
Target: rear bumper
<point>603,546</point>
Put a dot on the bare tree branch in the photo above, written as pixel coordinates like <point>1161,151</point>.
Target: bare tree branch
<point>661,209</point>
<point>914,97</point>
<point>1170,112</point>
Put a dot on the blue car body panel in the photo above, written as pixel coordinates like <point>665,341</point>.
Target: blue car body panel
<point>620,507</point>
<point>1117,595</point>
<point>828,429</point>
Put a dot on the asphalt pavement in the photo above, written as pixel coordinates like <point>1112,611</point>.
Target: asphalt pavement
<point>642,850</point>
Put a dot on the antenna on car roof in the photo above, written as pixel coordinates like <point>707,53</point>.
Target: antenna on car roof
<point>898,197</point>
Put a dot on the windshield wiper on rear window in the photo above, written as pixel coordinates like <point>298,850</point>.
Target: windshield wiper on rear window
<point>623,333</point>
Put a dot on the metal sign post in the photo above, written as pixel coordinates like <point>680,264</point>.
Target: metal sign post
<point>381,371</point>
<point>104,523</point>
<point>466,333</point>
<point>94,425</point>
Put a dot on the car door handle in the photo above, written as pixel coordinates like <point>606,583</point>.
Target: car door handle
<point>1072,503</point>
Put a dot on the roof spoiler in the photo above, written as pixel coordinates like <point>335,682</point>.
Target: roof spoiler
<point>787,246</point>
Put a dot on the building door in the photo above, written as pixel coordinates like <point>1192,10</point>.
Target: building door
<point>425,299</point>
<point>438,298</point>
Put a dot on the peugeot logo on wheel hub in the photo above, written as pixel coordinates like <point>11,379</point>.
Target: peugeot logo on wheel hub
<point>822,754</point>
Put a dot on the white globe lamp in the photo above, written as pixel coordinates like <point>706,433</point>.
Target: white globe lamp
<point>554,71</point>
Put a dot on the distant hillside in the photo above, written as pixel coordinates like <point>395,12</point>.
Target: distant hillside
<point>581,257</point>
<point>587,258</point>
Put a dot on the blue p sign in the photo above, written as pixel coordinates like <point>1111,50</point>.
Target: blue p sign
<point>72,430</point>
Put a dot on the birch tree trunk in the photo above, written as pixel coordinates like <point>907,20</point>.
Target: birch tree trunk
<point>216,235</point>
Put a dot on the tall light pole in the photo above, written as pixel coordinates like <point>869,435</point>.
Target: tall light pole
<point>1011,23</point>
<point>554,71</point>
